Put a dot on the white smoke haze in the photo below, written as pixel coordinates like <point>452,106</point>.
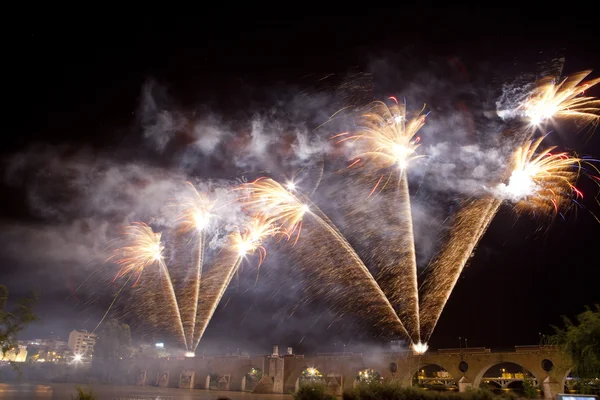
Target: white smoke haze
<point>63,183</point>
<point>90,197</point>
<point>510,103</point>
<point>209,134</point>
<point>307,148</point>
<point>467,169</point>
<point>80,242</point>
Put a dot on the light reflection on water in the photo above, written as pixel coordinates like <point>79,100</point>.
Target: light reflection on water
<point>64,391</point>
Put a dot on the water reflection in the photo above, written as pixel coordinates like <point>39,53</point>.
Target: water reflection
<point>32,391</point>
<point>25,391</point>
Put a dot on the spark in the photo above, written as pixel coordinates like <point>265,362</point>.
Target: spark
<point>564,99</point>
<point>291,186</point>
<point>190,354</point>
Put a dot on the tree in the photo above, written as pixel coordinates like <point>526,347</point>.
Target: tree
<point>529,390</point>
<point>14,321</point>
<point>581,341</point>
<point>113,343</point>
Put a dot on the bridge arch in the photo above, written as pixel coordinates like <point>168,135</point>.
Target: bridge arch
<point>248,376</point>
<point>293,381</point>
<point>434,376</point>
<point>367,375</point>
<point>507,374</point>
<point>450,365</point>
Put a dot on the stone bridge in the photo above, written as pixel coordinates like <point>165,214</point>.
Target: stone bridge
<point>282,373</point>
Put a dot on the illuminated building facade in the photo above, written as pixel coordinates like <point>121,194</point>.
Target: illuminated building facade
<point>82,342</point>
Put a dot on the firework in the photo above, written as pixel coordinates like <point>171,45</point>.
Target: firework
<point>564,99</point>
<point>196,215</point>
<point>541,182</point>
<point>385,137</point>
<point>282,208</point>
<point>251,239</point>
<point>468,226</point>
<point>385,144</point>
<point>194,218</point>
<point>217,280</point>
<point>142,248</point>
<point>336,273</point>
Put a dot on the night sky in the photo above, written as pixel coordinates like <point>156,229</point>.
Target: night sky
<point>77,92</point>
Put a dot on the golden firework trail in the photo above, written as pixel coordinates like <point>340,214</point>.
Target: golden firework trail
<point>217,279</point>
<point>563,99</point>
<point>288,209</point>
<point>142,248</point>
<point>468,227</point>
<point>541,182</point>
<point>337,274</point>
<point>386,141</point>
<point>195,219</point>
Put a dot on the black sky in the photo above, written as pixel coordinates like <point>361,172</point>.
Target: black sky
<point>78,81</point>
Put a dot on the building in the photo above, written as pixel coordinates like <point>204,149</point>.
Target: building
<point>82,342</point>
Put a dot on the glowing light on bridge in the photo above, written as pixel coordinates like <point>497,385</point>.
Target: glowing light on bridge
<point>420,348</point>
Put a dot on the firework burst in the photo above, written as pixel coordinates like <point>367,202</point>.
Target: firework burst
<point>196,215</point>
<point>279,206</point>
<point>563,99</point>
<point>142,248</point>
<point>541,181</point>
<point>385,137</point>
<point>250,239</point>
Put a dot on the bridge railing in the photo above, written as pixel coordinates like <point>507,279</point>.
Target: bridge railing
<point>464,350</point>
<point>529,349</point>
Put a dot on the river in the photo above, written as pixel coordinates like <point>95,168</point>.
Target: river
<point>64,391</point>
